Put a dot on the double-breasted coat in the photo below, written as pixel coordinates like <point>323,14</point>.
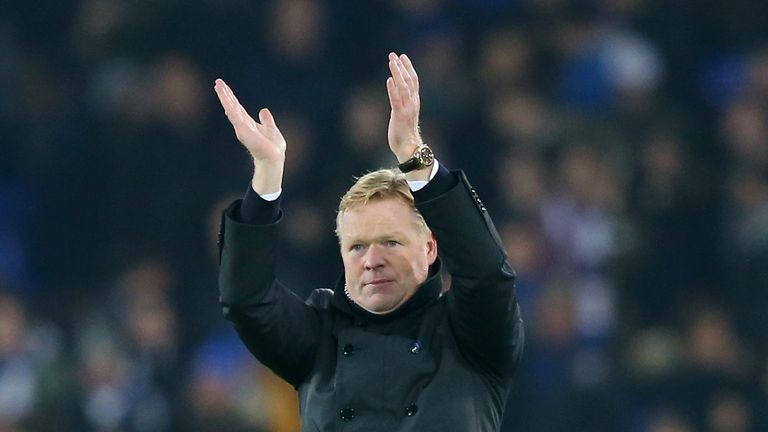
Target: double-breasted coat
<point>443,361</point>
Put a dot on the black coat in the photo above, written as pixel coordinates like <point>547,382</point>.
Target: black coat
<point>440,362</point>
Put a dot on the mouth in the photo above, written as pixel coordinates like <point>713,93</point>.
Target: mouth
<point>378,282</point>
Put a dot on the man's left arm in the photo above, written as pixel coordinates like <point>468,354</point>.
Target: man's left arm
<point>483,308</point>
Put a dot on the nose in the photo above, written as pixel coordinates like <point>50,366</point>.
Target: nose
<point>374,258</point>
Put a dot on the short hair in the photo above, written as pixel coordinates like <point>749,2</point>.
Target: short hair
<point>381,184</point>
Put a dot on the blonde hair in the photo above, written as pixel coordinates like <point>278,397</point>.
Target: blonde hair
<point>381,184</point>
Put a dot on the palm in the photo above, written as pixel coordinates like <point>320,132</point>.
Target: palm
<point>263,140</point>
<point>403,127</point>
<point>403,91</point>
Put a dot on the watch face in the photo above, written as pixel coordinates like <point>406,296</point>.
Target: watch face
<point>422,157</point>
<point>425,156</point>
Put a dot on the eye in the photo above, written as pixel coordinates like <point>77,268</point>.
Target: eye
<point>356,247</point>
<point>392,243</point>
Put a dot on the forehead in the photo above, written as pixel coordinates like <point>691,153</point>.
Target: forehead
<point>377,217</point>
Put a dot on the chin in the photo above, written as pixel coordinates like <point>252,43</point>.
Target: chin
<point>380,308</point>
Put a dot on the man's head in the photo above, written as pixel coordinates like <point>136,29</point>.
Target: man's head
<point>385,243</point>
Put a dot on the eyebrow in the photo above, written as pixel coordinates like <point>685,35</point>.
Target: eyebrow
<point>396,235</point>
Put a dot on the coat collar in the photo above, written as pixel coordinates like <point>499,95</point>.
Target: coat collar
<point>427,293</point>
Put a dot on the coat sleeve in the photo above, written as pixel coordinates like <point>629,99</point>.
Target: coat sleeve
<point>276,325</point>
<point>482,305</point>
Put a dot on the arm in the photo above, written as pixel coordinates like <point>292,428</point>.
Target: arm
<point>275,325</point>
<point>482,305</point>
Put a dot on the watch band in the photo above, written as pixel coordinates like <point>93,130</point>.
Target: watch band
<point>411,164</point>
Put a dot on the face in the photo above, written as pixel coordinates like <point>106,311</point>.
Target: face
<point>386,256</point>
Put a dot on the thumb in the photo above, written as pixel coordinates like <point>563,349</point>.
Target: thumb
<point>266,118</point>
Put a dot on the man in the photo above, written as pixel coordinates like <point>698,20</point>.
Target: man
<point>387,350</point>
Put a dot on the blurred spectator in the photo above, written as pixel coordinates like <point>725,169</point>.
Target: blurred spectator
<point>668,422</point>
<point>758,73</point>
<point>745,133</point>
<point>363,122</point>
<point>230,391</point>
<point>745,237</point>
<point>746,250</point>
<point>580,216</point>
<point>521,121</point>
<point>606,68</point>
<point>567,381</point>
<point>505,62</point>
<point>128,355</point>
<point>729,413</point>
<point>29,355</point>
<point>298,29</point>
<point>671,208</point>
<point>522,184</point>
<point>442,54</point>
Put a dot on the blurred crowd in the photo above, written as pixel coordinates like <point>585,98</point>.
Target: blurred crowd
<point>620,145</point>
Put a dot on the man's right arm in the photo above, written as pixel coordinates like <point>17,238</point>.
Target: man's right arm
<point>275,325</point>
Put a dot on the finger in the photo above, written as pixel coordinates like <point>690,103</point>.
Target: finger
<point>228,100</point>
<point>229,91</point>
<point>406,74</point>
<point>395,99</point>
<point>237,107</point>
<point>411,72</point>
<point>393,70</point>
<point>394,96</point>
<point>221,92</point>
<point>239,112</point>
<point>396,67</point>
<point>392,56</point>
<point>404,87</point>
<point>400,93</point>
<point>267,119</point>
<point>238,115</point>
<point>232,109</point>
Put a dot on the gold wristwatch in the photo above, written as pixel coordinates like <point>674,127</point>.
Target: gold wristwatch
<point>422,158</point>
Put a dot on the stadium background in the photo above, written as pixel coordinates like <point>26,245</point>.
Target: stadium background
<point>621,146</point>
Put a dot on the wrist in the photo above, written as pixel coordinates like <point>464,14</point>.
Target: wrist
<point>267,178</point>
<point>421,159</point>
<point>407,147</point>
<point>419,175</point>
<point>419,178</point>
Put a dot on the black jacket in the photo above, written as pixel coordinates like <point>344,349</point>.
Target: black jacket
<point>440,362</point>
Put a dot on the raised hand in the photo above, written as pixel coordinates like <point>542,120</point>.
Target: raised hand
<point>403,90</point>
<point>263,140</point>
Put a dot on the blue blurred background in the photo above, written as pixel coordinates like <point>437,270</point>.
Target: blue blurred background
<point>620,145</point>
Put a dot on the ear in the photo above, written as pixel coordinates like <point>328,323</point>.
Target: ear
<point>431,249</point>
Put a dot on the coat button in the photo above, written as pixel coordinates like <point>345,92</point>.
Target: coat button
<point>415,347</point>
<point>411,410</point>
<point>347,413</point>
<point>348,350</point>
